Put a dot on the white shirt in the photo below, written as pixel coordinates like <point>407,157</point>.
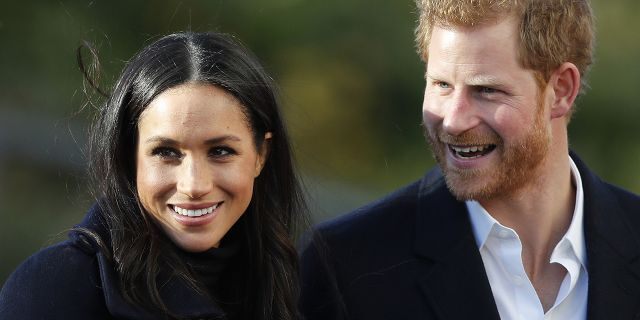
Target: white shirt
<point>501,252</point>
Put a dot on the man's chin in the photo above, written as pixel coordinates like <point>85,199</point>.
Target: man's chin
<point>470,186</point>
<point>465,194</point>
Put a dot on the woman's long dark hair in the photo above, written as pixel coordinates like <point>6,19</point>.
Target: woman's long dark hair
<point>138,248</point>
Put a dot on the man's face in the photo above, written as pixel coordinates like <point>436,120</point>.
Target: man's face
<point>484,114</point>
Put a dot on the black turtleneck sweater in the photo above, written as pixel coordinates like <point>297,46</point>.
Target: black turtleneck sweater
<point>75,280</point>
<point>217,271</point>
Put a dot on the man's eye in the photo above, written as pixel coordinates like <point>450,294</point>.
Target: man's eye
<point>487,90</point>
<point>442,84</point>
<point>166,153</point>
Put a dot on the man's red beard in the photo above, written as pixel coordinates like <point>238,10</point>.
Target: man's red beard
<point>516,168</point>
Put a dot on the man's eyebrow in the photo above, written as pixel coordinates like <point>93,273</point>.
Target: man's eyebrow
<point>430,76</point>
<point>477,80</point>
<point>485,80</point>
<point>172,142</point>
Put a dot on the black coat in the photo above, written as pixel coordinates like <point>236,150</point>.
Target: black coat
<point>74,280</point>
<point>413,255</point>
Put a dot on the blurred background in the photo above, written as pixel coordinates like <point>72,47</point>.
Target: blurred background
<point>351,87</point>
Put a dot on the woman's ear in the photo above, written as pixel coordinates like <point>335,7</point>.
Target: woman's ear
<point>263,153</point>
<point>565,83</point>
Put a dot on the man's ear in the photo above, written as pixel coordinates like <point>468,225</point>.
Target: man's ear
<point>263,153</point>
<point>565,83</point>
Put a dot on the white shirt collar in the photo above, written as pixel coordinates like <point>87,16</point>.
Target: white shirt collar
<point>575,233</point>
<point>482,222</point>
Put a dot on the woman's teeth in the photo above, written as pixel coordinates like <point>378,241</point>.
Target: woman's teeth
<point>194,213</point>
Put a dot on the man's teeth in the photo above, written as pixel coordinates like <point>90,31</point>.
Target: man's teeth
<point>194,213</point>
<point>472,151</point>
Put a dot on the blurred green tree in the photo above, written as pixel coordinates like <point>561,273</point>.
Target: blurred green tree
<point>351,86</point>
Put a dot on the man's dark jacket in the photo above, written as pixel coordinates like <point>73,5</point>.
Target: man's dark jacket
<point>413,255</point>
<point>75,280</point>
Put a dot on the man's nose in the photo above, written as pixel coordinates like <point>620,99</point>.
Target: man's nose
<point>460,114</point>
<point>194,181</point>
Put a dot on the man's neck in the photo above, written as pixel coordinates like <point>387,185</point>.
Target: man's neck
<point>541,214</point>
<point>541,211</point>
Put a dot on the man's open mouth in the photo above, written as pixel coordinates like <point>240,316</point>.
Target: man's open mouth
<point>471,152</point>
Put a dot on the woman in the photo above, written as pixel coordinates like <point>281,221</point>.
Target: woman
<point>197,200</point>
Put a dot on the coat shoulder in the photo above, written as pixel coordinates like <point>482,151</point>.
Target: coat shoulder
<point>397,206</point>
<point>345,258</point>
<point>395,212</point>
<point>630,205</point>
<point>55,283</point>
<point>629,201</point>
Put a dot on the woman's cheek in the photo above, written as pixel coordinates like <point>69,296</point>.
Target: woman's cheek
<point>154,182</point>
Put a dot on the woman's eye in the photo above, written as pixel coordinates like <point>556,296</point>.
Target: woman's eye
<point>166,153</point>
<point>221,152</point>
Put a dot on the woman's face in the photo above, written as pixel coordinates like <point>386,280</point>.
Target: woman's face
<point>196,163</point>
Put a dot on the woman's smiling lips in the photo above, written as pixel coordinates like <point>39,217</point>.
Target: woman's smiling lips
<point>192,215</point>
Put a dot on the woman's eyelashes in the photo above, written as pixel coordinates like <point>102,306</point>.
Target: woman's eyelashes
<point>167,153</point>
<point>173,154</point>
<point>221,152</point>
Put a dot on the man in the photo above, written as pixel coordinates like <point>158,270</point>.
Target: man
<point>510,225</point>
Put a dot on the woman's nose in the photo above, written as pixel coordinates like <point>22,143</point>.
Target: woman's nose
<point>194,179</point>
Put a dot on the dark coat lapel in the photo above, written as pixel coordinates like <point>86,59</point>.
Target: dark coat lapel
<point>456,286</point>
<point>613,251</point>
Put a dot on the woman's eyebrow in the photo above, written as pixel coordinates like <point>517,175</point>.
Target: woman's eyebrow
<point>161,140</point>
<point>223,138</point>
<point>169,141</point>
